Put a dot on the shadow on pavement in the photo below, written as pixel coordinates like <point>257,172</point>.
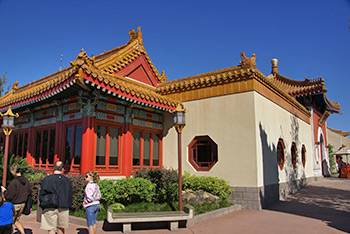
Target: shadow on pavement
<point>82,231</point>
<point>327,204</point>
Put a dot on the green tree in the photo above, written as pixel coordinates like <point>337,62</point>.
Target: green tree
<point>3,82</point>
<point>332,163</point>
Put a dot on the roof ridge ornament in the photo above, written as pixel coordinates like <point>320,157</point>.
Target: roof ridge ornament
<point>247,62</point>
<point>82,58</point>
<point>15,86</point>
<point>135,35</point>
<point>163,78</point>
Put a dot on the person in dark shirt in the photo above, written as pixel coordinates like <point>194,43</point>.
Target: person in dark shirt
<point>17,193</point>
<point>55,199</point>
<point>6,214</point>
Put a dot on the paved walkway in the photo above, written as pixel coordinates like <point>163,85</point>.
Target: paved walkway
<point>322,207</point>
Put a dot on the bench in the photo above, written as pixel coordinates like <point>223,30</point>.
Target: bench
<point>174,217</point>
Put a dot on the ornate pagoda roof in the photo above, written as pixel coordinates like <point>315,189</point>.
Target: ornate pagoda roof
<point>114,60</point>
<point>300,88</point>
<point>96,72</point>
<point>340,132</point>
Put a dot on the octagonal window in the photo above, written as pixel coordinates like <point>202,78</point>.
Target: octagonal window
<point>203,153</point>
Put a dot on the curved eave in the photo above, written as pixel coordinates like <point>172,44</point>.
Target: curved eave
<point>332,106</point>
<point>40,95</point>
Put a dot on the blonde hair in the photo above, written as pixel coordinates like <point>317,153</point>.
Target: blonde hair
<point>94,175</point>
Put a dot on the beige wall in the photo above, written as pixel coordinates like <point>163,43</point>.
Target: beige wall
<point>229,121</point>
<point>337,140</point>
<point>271,123</point>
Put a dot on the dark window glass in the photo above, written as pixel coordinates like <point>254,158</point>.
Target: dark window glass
<point>136,149</point>
<point>37,146</point>
<point>101,146</point>
<point>52,146</point>
<point>113,146</point>
<point>44,147</point>
<point>303,155</point>
<point>146,149</point>
<point>15,141</point>
<point>25,144</point>
<point>280,154</point>
<point>77,146</point>
<point>69,145</point>
<point>155,150</point>
<point>203,152</point>
<point>20,145</point>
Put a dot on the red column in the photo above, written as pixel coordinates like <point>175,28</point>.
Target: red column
<point>127,152</point>
<point>59,144</point>
<point>88,145</point>
<point>30,146</point>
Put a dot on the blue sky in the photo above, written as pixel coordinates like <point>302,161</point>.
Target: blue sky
<point>310,38</point>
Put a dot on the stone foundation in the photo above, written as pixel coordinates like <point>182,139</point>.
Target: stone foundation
<point>256,198</point>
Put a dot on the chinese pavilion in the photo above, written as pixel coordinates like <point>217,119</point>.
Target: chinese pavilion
<point>102,113</point>
<point>112,113</point>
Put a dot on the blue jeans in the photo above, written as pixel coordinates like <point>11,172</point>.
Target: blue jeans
<point>91,214</point>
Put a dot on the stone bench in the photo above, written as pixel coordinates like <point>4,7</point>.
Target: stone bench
<point>173,217</point>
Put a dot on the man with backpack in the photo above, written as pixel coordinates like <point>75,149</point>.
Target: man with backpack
<point>55,199</point>
<point>17,193</point>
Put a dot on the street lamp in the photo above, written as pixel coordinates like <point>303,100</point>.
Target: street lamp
<point>179,122</point>
<point>8,123</point>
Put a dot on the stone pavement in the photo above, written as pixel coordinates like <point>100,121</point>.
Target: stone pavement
<point>322,207</point>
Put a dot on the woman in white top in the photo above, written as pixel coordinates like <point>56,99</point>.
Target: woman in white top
<point>91,201</point>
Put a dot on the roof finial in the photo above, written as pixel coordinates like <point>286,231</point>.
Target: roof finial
<point>135,35</point>
<point>247,62</point>
<point>139,33</point>
<point>274,63</point>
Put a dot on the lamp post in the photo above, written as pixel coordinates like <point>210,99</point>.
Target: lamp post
<point>179,121</point>
<point>8,123</point>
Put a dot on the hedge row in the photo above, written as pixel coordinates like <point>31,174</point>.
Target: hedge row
<point>157,185</point>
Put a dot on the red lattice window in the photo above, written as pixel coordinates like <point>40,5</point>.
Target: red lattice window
<point>203,153</point>
<point>303,155</point>
<point>280,154</point>
<point>293,152</point>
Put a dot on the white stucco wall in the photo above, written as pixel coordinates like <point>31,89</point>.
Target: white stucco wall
<point>229,121</point>
<point>273,122</point>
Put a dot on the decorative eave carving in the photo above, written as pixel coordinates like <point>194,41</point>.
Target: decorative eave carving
<point>324,117</point>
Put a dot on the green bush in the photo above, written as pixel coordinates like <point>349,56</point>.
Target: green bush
<point>21,163</point>
<point>35,179</point>
<point>126,191</point>
<point>165,181</point>
<point>117,207</point>
<point>78,185</point>
<point>141,207</point>
<point>210,184</point>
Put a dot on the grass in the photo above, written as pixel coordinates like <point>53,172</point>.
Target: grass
<point>102,214</point>
<point>206,207</point>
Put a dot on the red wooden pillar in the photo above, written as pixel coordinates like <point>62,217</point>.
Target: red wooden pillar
<point>59,144</point>
<point>30,146</point>
<point>88,145</point>
<point>127,152</point>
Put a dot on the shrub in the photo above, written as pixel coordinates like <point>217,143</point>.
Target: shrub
<point>165,181</point>
<point>78,185</point>
<point>117,207</point>
<point>126,191</point>
<point>35,179</point>
<point>210,184</point>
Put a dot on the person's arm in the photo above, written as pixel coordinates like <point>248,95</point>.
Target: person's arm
<point>89,192</point>
<point>11,191</point>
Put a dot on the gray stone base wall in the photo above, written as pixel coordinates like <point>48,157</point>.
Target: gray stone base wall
<point>257,198</point>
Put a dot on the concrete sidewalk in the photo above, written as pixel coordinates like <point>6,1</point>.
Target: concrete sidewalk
<point>322,207</point>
